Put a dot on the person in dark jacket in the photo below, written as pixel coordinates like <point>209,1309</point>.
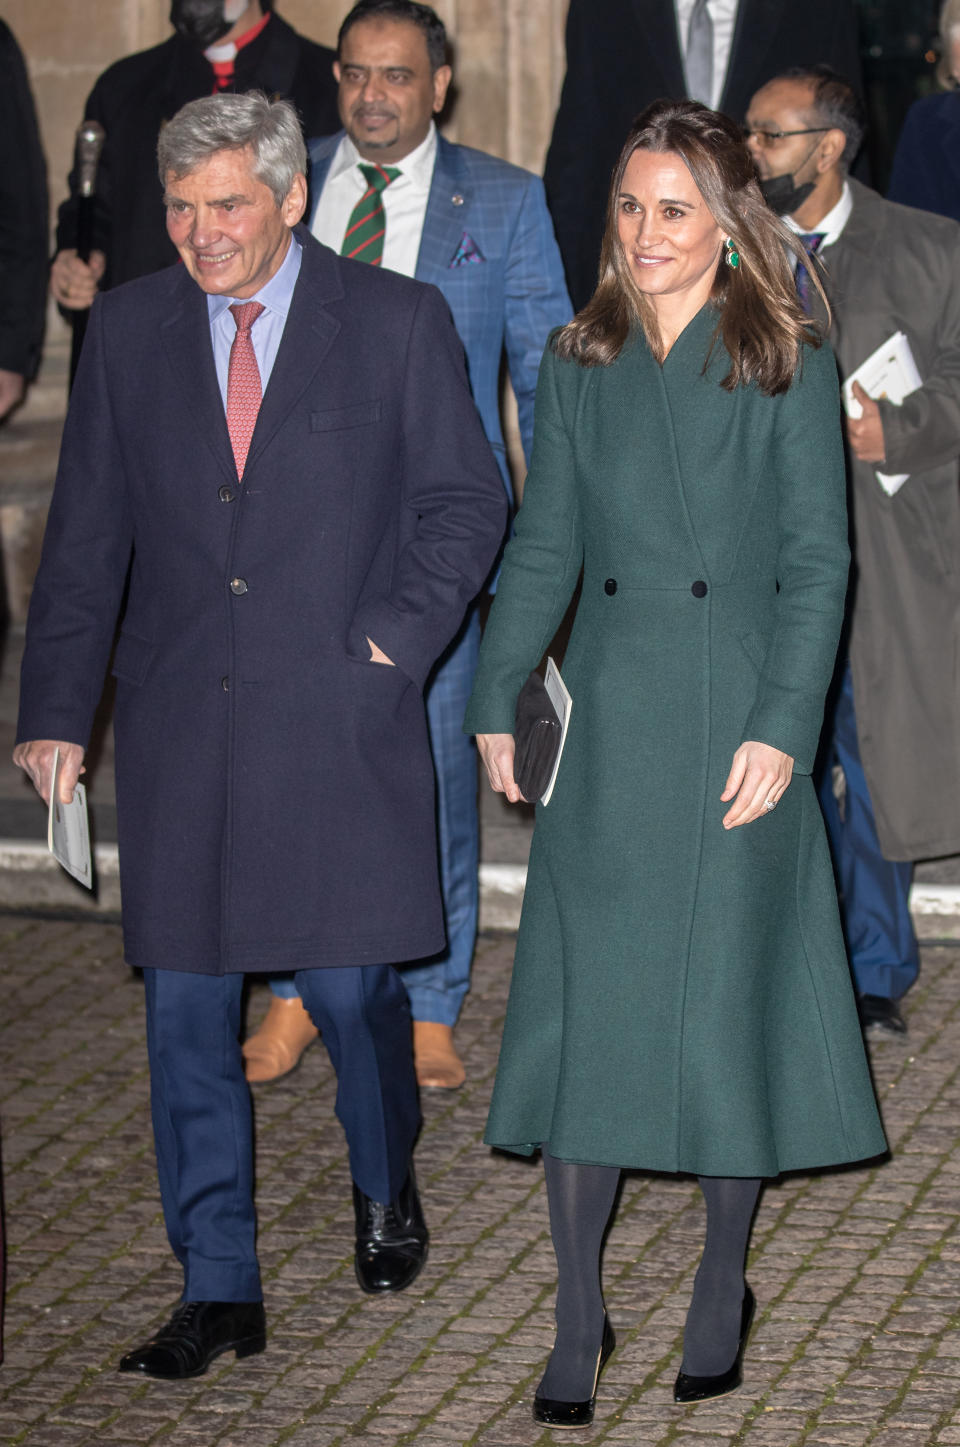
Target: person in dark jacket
<point>926,166</point>
<point>622,57</point>
<point>23,227</point>
<point>232,45</point>
<point>282,450</point>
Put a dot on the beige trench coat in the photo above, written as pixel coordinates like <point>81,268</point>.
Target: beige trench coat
<point>898,269</point>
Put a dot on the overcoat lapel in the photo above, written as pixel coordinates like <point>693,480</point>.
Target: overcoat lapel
<point>185,336</point>
<point>698,408</point>
<point>447,214</point>
<point>860,250</point>
<point>307,337</point>
<point>689,337</point>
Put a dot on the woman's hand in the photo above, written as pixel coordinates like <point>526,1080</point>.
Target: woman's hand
<point>758,776</point>
<point>497,751</point>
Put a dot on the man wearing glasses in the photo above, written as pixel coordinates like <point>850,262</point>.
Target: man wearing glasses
<point>890,767</point>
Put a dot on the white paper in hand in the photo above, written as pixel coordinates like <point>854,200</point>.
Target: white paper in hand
<point>889,372</point>
<point>68,829</point>
<point>563,703</point>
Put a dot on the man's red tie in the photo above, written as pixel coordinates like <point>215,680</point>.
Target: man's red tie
<point>244,392</point>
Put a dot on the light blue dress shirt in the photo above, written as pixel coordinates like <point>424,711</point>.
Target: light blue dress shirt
<point>267,329</point>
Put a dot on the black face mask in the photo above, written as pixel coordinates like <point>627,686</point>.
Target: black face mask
<point>783,195</point>
<point>200,21</point>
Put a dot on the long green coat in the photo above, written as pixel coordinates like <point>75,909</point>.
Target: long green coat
<point>681,999</point>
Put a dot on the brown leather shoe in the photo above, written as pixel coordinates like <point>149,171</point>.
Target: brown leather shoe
<point>438,1065</point>
<point>284,1034</point>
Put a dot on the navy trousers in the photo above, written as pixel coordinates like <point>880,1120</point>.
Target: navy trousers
<point>883,949</point>
<point>202,1120</point>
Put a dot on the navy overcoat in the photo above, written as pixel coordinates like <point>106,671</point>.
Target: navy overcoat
<point>274,786</point>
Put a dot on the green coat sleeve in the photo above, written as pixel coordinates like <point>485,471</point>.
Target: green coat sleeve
<point>813,559</point>
<point>541,563</point>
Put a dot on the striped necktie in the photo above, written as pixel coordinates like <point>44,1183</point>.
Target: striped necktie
<point>363,239</point>
<point>811,240</point>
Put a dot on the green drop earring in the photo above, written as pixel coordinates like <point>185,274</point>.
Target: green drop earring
<point>733,255</point>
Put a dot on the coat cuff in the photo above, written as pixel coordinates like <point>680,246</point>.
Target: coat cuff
<point>773,722</point>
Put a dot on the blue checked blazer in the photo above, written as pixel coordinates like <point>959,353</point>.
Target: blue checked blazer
<point>488,245</point>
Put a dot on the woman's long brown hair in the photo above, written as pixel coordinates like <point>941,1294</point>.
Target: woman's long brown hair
<point>760,323</point>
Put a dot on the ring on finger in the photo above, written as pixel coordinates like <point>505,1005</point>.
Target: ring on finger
<point>769,805</point>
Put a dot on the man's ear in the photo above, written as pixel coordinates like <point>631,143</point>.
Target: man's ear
<point>832,148</point>
<point>441,84</point>
<point>295,201</point>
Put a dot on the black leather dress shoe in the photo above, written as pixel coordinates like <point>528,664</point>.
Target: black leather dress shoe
<point>700,1389</point>
<point>391,1239</point>
<point>197,1332</point>
<point>552,1412</point>
<point>880,1018</point>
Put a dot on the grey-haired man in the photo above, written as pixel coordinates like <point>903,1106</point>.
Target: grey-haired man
<point>283,449</point>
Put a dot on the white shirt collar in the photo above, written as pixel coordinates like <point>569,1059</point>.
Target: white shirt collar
<point>832,224</point>
<point>416,168</point>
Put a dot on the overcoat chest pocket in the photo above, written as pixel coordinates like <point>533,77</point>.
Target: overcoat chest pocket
<point>132,657</point>
<point>359,414</point>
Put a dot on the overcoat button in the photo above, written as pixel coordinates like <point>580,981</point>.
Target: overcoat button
<point>226,493</point>
<point>239,586</point>
<point>225,683</point>
<point>610,587</point>
<point>699,589</point>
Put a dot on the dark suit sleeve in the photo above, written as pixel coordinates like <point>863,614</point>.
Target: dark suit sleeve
<point>917,167</point>
<point>454,506</point>
<point>535,301</point>
<point>23,217</point>
<point>83,567</point>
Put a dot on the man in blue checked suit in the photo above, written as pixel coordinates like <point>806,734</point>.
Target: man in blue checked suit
<point>388,190</point>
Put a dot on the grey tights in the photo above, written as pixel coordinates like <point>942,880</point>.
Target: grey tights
<point>712,1332</point>
<point>581,1199</point>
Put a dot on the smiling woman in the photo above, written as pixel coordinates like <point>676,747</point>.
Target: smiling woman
<point>670,240</point>
<point>681,999</point>
<point>685,185</point>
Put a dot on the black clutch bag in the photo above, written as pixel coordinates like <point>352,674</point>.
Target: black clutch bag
<point>537,738</point>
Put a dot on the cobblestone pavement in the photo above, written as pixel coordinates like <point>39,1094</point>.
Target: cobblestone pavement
<point>857,1273</point>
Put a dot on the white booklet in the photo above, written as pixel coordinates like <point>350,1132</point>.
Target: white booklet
<point>889,372</point>
<point>563,703</point>
<point>68,829</point>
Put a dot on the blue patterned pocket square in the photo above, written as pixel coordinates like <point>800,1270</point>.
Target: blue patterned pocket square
<point>467,251</point>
